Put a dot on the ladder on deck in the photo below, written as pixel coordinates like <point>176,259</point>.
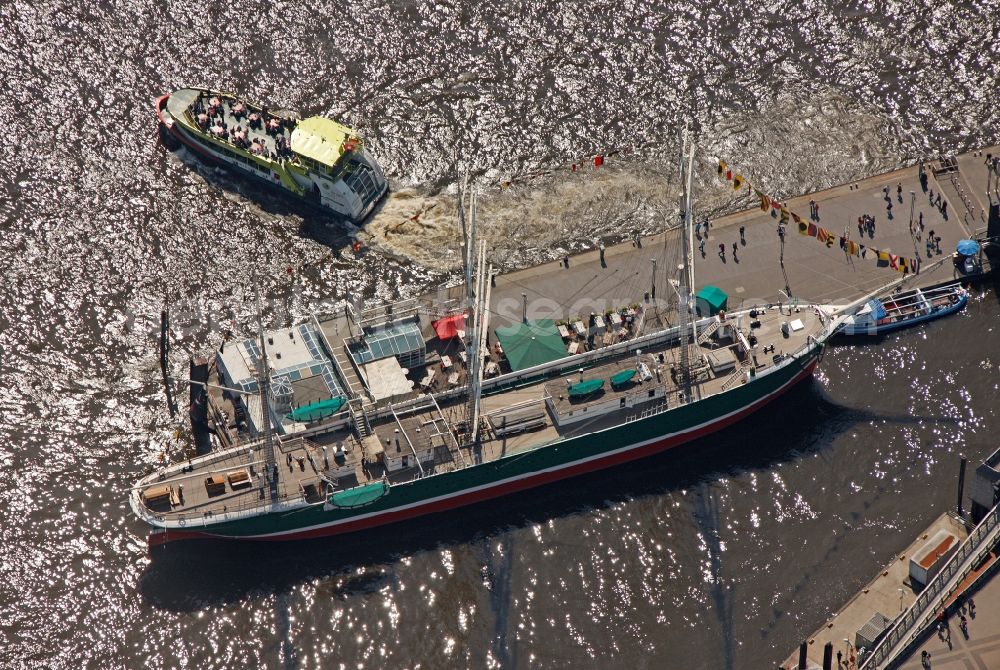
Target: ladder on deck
<point>736,376</point>
<point>361,423</point>
<point>707,333</point>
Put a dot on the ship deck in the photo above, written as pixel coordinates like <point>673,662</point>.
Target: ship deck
<point>421,436</point>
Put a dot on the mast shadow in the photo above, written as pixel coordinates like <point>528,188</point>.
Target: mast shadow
<point>189,576</point>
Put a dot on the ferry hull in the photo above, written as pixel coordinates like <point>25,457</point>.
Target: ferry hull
<point>520,471</point>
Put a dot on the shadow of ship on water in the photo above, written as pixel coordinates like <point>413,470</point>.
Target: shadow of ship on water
<point>188,576</point>
<point>317,223</point>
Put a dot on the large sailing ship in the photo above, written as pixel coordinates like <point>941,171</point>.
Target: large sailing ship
<point>370,417</point>
<point>316,159</point>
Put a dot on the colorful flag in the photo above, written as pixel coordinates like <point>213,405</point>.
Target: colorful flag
<point>796,218</point>
<point>904,266</point>
<point>864,250</point>
<point>738,182</point>
<point>893,259</point>
<point>722,168</point>
<point>822,235</point>
<point>803,228</point>
<point>729,175</point>
<point>784,215</point>
<point>843,243</point>
<point>598,161</point>
<point>883,258</point>
<point>765,202</point>
<point>813,230</point>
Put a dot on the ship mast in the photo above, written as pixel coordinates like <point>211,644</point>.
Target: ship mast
<point>264,386</point>
<point>477,300</point>
<point>687,274</point>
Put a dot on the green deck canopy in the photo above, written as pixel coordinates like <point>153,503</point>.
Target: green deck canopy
<point>316,410</point>
<point>711,300</point>
<point>622,377</point>
<point>585,388</point>
<point>359,495</point>
<point>533,343</point>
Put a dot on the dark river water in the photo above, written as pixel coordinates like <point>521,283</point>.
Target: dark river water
<point>721,555</point>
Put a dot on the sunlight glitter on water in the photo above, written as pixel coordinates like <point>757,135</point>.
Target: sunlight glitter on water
<point>101,227</point>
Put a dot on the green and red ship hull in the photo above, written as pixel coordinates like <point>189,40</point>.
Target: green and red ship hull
<point>521,470</point>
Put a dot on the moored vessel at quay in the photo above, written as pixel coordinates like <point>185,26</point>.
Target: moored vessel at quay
<point>905,309</point>
<point>316,159</point>
<point>363,418</point>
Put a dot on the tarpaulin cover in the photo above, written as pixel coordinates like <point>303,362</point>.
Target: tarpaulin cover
<point>449,326</point>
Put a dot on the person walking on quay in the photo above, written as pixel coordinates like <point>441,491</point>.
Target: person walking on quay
<point>734,253</point>
<point>972,608</point>
<point>861,226</point>
<point>840,658</point>
<point>812,210</point>
<point>899,192</point>
<point>816,210</point>
<point>888,210</point>
<point>701,247</point>
<point>722,252</point>
<point>743,239</point>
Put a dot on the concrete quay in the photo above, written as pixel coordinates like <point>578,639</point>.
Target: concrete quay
<point>955,650</point>
<point>889,593</point>
<point>762,270</point>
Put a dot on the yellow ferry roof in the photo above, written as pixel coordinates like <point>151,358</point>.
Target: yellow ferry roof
<point>320,139</point>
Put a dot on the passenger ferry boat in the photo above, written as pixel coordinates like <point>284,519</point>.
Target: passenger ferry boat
<point>902,310</point>
<point>359,419</point>
<point>315,159</point>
